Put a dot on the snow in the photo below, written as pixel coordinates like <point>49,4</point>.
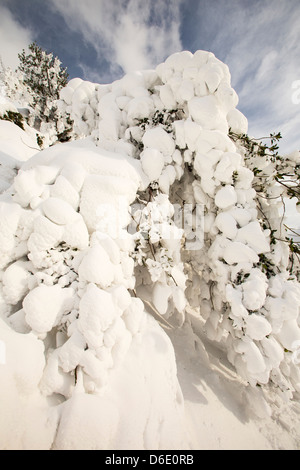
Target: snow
<point>9,219</point>
<point>206,112</point>
<point>59,211</point>
<point>86,420</point>
<point>192,131</point>
<point>139,108</point>
<point>154,338</point>
<point>63,190</point>
<point>226,197</point>
<point>17,143</point>
<point>237,122</point>
<point>76,234</point>
<point>45,235</point>
<point>96,267</point>
<point>242,216</point>
<point>167,96</point>
<point>161,294</point>
<point>229,163</point>
<point>15,282</point>
<point>27,187</point>
<point>254,237</point>
<point>289,334</point>
<point>152,163</point>
<point>97,313</point>
<point>44,306</point>
<point>257,327</point>
<point>237,252</point>
<point>218,402</point>
<point>103,200</point>
<point>227,225</point>
<point>115,423</point>
<point>74,173</point>
<point>226,96</point>
<point>24,420</point>
<point>159,139</point>
<point>255,290</point>
<point>186,90</point>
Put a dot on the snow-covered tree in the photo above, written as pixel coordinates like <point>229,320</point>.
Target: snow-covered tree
<point>13,86</point>
<point>36,84</point>
<point>230,256</point>
<point>43,75</point>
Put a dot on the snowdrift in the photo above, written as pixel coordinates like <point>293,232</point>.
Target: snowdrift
<point>149,212</point>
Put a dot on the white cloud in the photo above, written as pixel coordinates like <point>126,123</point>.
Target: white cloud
<point>263,55</point>
<point>136,34</point>
<point>13,38</point>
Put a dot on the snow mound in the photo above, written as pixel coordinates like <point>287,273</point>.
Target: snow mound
<point>74,288</point>
<point>17,145</point>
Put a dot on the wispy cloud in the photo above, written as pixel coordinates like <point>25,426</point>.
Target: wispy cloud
<point>132,34</point>
<point>13,38</point>
<point>262,50</point>
<point>258,39</point>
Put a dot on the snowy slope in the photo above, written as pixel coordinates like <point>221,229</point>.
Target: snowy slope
<point>17,146</point>
<point>221,412</point>
<point>99,348</point>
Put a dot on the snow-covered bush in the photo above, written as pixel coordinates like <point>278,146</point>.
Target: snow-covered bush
<point>36,84</point>
<point>181,122</point>
<point>13,86</point>
<point>79,101</point>
<point>9,112</point>
<point>276,178</point>
<point>13,116</point>
<point>64,278</point>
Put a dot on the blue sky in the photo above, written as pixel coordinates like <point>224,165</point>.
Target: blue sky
<point>100,40</point>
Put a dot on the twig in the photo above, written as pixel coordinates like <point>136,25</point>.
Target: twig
<point>152,250</point>
<point>172,277</point>
<point>283,215</point>
<point>164,321</point>
<point>289,188</point>
<point>291,230</point>
<point>33,148</point>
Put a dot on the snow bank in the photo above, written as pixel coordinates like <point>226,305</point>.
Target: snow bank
<point>45,305</point>
<point>25,421</point>
<point>152,163</point>
<point>74,290</point>
<point>17,146</point>
<point>128,412</point>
